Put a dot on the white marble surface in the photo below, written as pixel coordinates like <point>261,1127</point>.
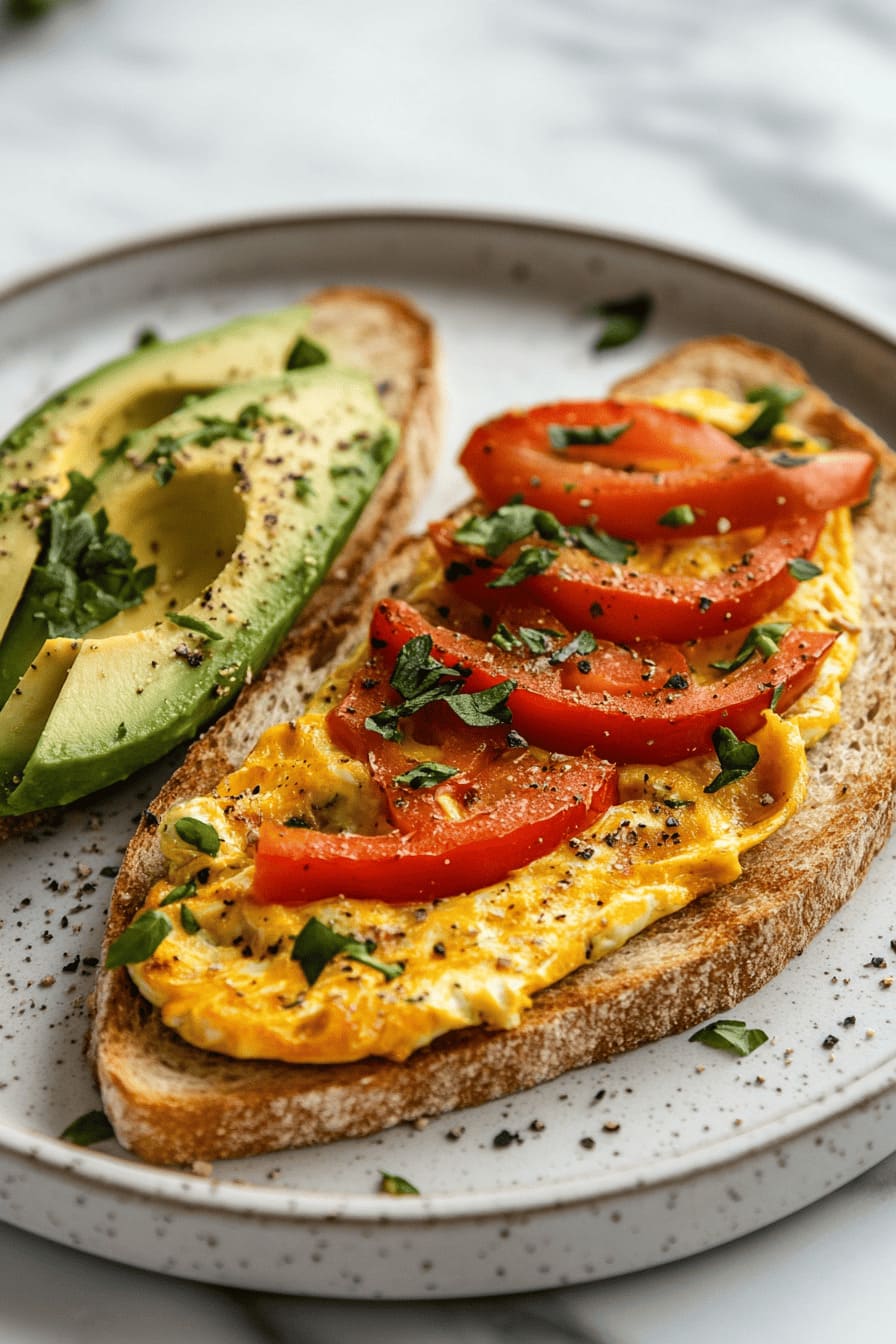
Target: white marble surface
<point>761,133</point>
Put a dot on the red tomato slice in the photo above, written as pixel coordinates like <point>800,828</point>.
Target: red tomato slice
<point>662,461</point>
<point>618,603</point>
<point>536,808</point>
<point>666,725</point>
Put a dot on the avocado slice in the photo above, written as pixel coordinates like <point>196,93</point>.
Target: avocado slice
<point>73,428</point>
<point>243,531</point>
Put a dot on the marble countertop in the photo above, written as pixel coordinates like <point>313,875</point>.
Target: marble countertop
<point>761,134</point>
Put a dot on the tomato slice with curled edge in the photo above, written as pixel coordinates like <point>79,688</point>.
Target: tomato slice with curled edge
<point>617,602</point>
<point>661,461</point>
<point>502,821</point>
<point>666,725</point>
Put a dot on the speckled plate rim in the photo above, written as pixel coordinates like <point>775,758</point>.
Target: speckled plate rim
<point>177,1187</point>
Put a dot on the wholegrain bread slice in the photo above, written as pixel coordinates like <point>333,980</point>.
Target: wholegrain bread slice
<point>386,336</point>
<point>170,1102</point>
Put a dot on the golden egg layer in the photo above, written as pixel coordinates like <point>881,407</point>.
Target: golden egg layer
<point>478,957</point>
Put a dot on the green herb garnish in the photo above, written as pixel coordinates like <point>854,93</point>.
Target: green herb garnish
<point>425,775</point>
<point>92,1127</point>
<point>681,516</point>
<point>139,940</point>
<point>736,758</point>
<point>184,892</point>
<point>602,546</point>
<point>776,696</point>
<point>210,430</point>
<point>762,639</point>
<point>531,560</point>
<point>199,835</point>
<point>303,487</point>
<point>505,639</point>
<point>624,319</point>
<point>19,496</point>
<point>582,643</point>
<point>85,574</point>
<point>574,436</point>
<point>420,680</point>
<point>538,641</point>
<point>396,1185</point>
<point>735,1037</point>
<point>511,522</point>
<point>189,922</point>
<point>146,337</point>
<point>318,944</point>
<point>801,570</point>
<point>305,354</point>
<point>193,623</point>
<point>775,401</point>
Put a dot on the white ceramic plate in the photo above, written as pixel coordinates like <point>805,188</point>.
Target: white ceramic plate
<point>704,1151</point>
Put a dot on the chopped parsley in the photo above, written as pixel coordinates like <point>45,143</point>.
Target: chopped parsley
<point>19,496</point>
<point>211,429</point>
<point>199,835</point>
<point>531,560</point>
<point>84,574</point>
<point>139,940</point>
<point>189,922</point>
<point>562,437</point>
<point>420,680</point>
<point>511,522</point>
<point>193,623</point>
<point>624,319</point>
<point>538,641</point>
<point>92,1127</point>
<point>762,639</point>
<point>774,403</point>
<point>735,1037</point>
<point>305,354</point>
<point>801,569</point>
<point>681,516</point>
<point>425,775</point>
<point>146,337</point>
<point>396,1185</point>
<point>736,758</point>
<point>317,944</point>
<point>184,892</point>
<point>615,550</point>
<point>582,643</point>
<point>505,639</point>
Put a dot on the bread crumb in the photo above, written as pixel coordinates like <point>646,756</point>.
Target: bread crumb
<point>202,1168</point>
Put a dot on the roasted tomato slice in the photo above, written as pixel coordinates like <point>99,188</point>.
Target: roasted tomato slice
<point>618,603</point>
<point>670,723</point>
<point>466,833</point>
<point>659,463</point>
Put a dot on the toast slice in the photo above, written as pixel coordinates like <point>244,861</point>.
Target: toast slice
<point>385,336</point>
<point>170,1102</point>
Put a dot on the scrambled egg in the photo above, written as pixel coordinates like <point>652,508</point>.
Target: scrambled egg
<point>227,982</point>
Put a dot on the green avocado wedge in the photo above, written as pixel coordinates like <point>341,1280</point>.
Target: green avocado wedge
<point>241,500</point>
<point>73,429</point>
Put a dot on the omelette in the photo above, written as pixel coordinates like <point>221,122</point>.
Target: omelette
<point>225,978</point>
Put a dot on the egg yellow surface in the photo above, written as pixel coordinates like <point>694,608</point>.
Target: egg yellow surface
<point>224,977</point>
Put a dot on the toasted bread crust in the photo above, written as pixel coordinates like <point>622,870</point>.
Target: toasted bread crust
<point>170,1102</point>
